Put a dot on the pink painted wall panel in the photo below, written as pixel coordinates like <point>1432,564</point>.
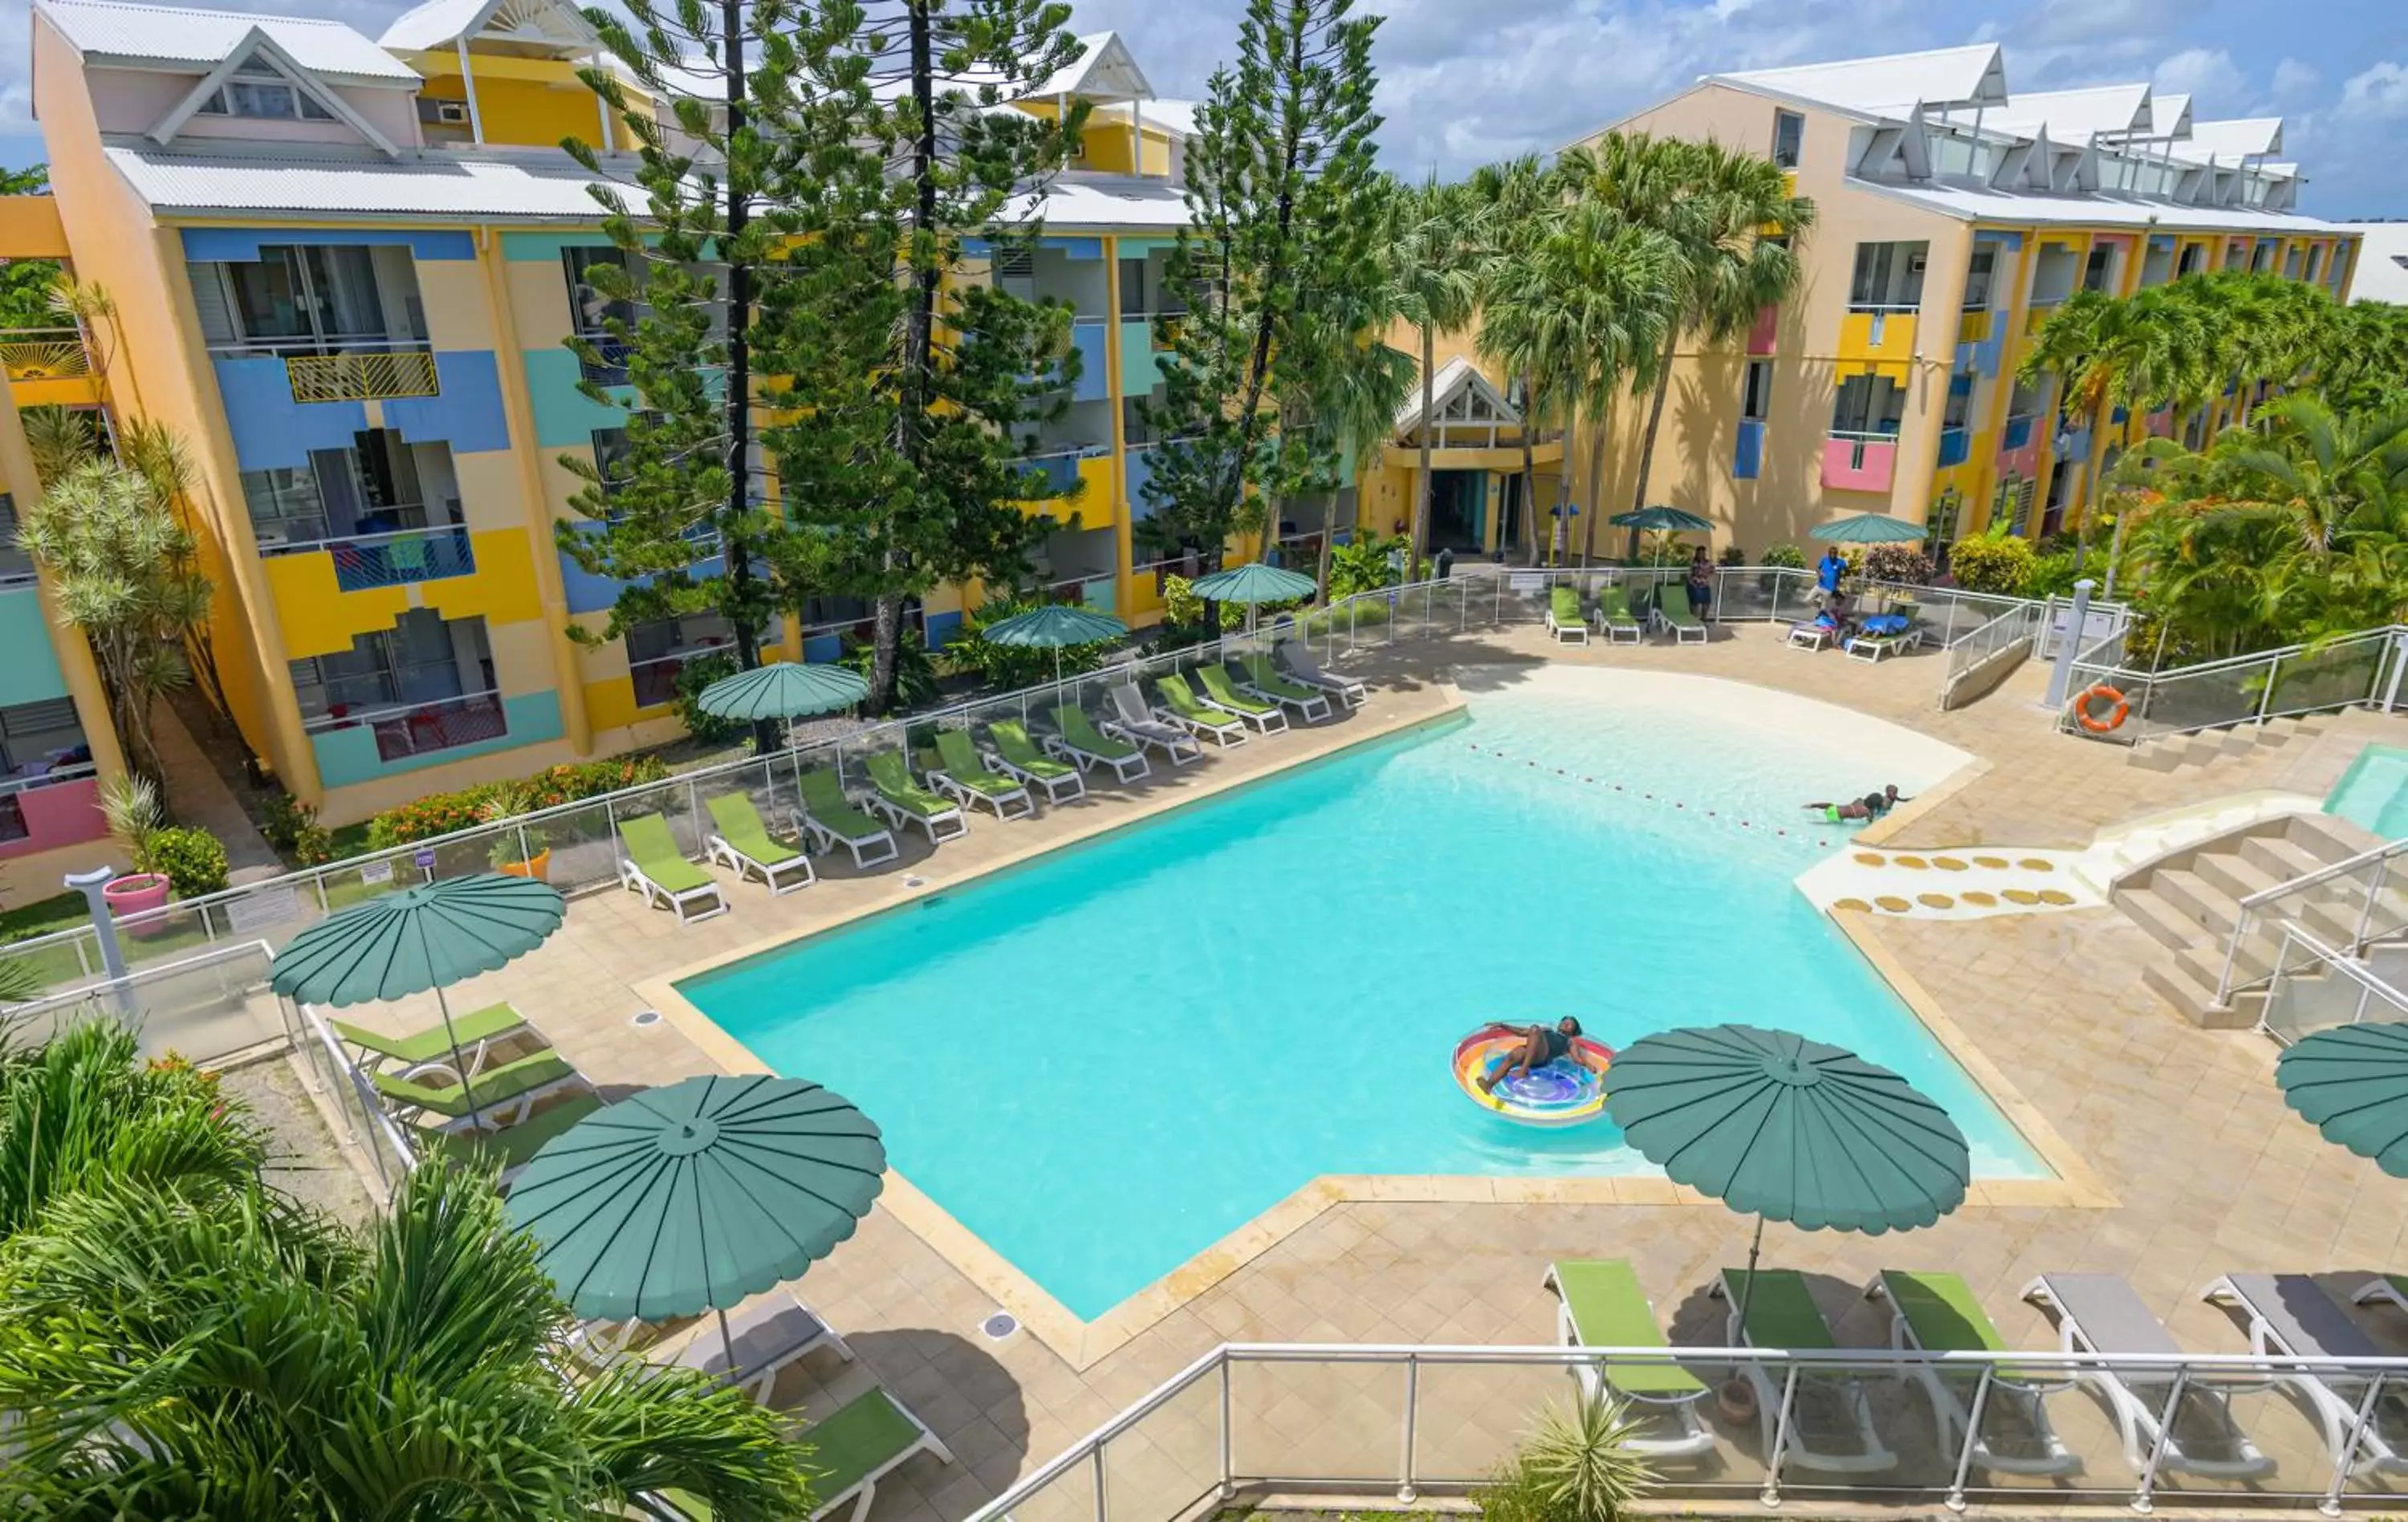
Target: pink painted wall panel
<point>1760,338</point>
<point>1845,469</point>
<point>2022,462</point>
<point>61,814</point>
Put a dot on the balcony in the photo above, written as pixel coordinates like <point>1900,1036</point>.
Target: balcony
<point>655,680</point>
<point>61,807</point>
<point>1860,461</point>
<point>1063,471</point>
<point>609,367</point>
<point>49,365</point>
<point>365,562</point>
<point>1876,337</point>
<point>1955,446</point>
<point>416,729</point>
<point>365,374</point>
<point>1973,324</point>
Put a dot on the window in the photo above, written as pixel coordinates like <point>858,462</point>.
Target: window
<point>2094,272</point>
<point>424,658</point>
<point>15,563</point>
<point>610,458</point>
<point>589,308</point>
<point>2315,259</point>
<point>1958,410</point>
<point>1755,393</point>
<point>1788,137</point>
<point>1979,271</point>
<point>35,737</point>
<point>264,95</point>
<point>2193,256</point>
<point>1133,288</point>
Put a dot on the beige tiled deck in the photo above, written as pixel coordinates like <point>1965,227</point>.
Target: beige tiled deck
<point>2208,1170</point>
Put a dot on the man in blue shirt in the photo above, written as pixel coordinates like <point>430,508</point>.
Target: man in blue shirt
<point>1828,569</point>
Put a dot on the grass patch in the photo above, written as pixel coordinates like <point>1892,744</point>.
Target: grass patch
<point>63,911</point>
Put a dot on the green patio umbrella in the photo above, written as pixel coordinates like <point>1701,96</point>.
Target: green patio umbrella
<point>421,938</point>
<point>1055,626</point>
<point>2352,1081</point>
<point>696,1196</point>
<point>1788,1129</point>
<point>1254,585</point>
<point>1867,528</point>
<point>782,690</point>
<point>1663,519</point>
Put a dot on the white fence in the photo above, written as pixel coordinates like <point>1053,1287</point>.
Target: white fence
<point>206,1006</point>
<point>1884,1424</point>
<point>2316,987</point>
<point>2359,668</point>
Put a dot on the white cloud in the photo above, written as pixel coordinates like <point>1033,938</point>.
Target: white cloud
<point>2208,75</point>
<point>2380,93</point>
<point>2293,78</point>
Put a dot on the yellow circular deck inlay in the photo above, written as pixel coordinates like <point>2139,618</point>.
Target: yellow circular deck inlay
<point>1866,858</point>
<point>1993,863</point>
<point>1916,861</point>
<point>1935,900</point>
<point>2022,895</point>
<point>2055,896</point>
<point>2037,864</point>
<point>1896,906</point>
<point>1982,900</point>
<point>1948,864</point>
<point>1857,904</point>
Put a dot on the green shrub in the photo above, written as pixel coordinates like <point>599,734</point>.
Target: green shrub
<point>1732,555</point>
<point>1012,666</point>
<point>2054,575</point>
<point>1997,563</point>
<point>1905,563</point>
<point>1365,564</point>
<point>1578,1465</point>
<point>692,677</point>
<point>915,672</point>
<point>1783,556</point>
<point>443,813</point>
<point>192,859</point>
<point>291,828</point>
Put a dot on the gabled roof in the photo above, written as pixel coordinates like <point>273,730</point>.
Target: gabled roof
<point>2075,116</point>
<point>110,33</point>
<point>1103,71</point>
<point>2243,137</point>
<point>1460,393</point>
<point>2170,116</point>
<point>1944,77</point>
<point>440,23</point>
<point>258,48</point>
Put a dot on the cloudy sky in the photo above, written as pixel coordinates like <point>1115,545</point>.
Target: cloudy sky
<point>1462,82</point>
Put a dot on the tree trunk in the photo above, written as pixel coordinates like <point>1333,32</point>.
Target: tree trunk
<point>1422,494</point>
<point>1654,421</point>
<point>885,638</point>
<point>1529,466</point>
<point>1328,533</point>
<point>919,338</point>
<point>1597,485</point>
<point>739,378</point>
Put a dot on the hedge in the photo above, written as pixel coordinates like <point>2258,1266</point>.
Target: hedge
<point>442,813</point>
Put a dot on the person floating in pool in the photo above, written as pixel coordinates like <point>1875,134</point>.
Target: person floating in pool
<point>1539,1046</point>
<point>1871,806</point>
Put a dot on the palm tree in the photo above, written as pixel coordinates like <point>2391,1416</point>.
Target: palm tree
<point>2321,475</point>
<point>1429,258</point>
<point>1734,223</point>
<point>1358,389</point>
<point>2106,352</point>
<point>246,1356</point>
<point>1516,203</point>
<point>1588,303</point>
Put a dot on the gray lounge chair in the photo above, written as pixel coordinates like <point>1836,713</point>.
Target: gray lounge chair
<point>1301,665</point>
<point>2290,1316</point>
<point>2101,1313</point>
<point>769,1334</point>
<point>1132,721</point>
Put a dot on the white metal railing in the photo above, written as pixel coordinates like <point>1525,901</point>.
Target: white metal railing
<point>2316,987</point>
<point>75,772</point>
<point>1261,1418</point>
<point>1969,652</point>
<point>2364,668</point>
<point>326,344</point>
<point>1867,436</point>
<point>206,1006</point>
<point>354,1100</point>
<point>2348,895</point>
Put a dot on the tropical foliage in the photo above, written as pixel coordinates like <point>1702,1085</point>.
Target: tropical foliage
<point>1578,1465</point>
<point>1016,665</point>
<point>442,814</point>
<point>1995,562</point>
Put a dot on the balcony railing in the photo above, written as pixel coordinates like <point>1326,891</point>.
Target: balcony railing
<point>655,680</point>
<point>44,354</point>
<point>403,730</point>
<point>1060,467</point>
<point>346,369</point>
<point>73,771</point>
<point>364,562</point>
<point>609,367</point>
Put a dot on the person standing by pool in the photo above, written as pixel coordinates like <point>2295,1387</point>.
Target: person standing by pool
<point>1539,1046</point>
<point>1701,582</point>
<point>1828,569</point>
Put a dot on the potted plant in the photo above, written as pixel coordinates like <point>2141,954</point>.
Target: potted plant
<point>131,807</point>
<point>507,857</point>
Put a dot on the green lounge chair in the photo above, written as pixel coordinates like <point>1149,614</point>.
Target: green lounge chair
<point>1672,612</point>
<point>1615,619</point>
<point>1082,742</point>
<point>1180,706</point>
<point>962,776</point>
<point>829,818</point>
<point>1939,1313</point>
<point>743,844</point>
<point>1599,1304</point>
<point>502,1096</point>
<point>1564,620</point>
<point>1019,756</point>
<point>512,1147</point>
<point>649,863</point>
<point>1263,680</point>
<point>1263,714</point>
<point>1830,1424</point>
<point>901,801</point>
<point>429,1048</point>
<point>860,1443</point>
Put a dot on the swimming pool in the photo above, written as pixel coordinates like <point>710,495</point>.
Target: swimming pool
<point>2373,792</point>
<point>1104,1061</point>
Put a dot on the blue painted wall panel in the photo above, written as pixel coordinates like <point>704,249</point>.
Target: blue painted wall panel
<point>1076,248</point>
<point>240,245</point>
<point>270,430</point>
<point>941,630</point>
<point>1955,446</point>
<point>1095,380</point>
<point>822,647</point>
<point>467,414</point>
<point>1747,461</point>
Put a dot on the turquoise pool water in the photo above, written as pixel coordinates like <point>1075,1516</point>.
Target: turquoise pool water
<point>2373,792</point>
<point>1104,1061</point>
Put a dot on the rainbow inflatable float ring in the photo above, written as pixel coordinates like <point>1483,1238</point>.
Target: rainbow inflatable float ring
<point>1565,1092</point>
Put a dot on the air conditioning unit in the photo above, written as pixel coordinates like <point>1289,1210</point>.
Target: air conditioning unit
<point>452,113</point>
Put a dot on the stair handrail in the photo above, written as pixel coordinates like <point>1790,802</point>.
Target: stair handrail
<point>2370,982</point>
<point>2375,855</point>
<point>2258,657</point>
<point>2140,687</point>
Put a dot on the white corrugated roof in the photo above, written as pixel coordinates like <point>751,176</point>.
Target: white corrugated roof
<point>105,31</point>
<point>2075,116</point>
<point>1083,202</point>
<point>1944,76</point>
<point>1968,204</point>
<point>2230,141</point>
<point>420,184</point>
<point>2382,273</point>
<point>439,23</point>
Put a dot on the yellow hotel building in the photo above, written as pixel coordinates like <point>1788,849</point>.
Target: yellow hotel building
<point>345,270</point>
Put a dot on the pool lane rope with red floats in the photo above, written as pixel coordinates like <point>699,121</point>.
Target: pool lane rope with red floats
<point>1570,775</point>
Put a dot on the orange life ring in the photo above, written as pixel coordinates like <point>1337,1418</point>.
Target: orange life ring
<point>2119,708</point>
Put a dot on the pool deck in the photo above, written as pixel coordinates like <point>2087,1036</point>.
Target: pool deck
<point>2202,1167</point>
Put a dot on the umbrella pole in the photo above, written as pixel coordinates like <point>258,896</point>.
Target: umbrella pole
<point>727,1340</point>
<point>1747,1285</point>
<point>460,1063</point>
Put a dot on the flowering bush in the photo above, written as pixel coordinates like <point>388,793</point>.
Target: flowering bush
<point>192,859</point>
<point>1897,563</point>
<point>442,814</point>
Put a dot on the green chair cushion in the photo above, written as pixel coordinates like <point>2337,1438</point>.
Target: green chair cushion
<point>1216,683</point>
<point>739,826</point>
<point>855,1440</point>
<point>1609,1310</point>
<point>1567,605</point>
<point>494,1085</point>
<point>1080,731</point>
<point>824,800</point>
<point>895,786</point>
<point>1942,1309</point>
<point>1780,1313</point>
<point>654,852</point>
<point>1013,743</point>
<point>434,1043</point>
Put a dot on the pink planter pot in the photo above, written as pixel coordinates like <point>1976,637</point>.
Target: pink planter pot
<point>135,893</point>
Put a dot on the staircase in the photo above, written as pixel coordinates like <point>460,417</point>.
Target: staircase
<point>2173,753</point>
<point>2190,901</point>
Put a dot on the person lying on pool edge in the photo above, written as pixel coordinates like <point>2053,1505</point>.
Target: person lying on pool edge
<point>1539,1046</point>
<point>1871,806</point>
